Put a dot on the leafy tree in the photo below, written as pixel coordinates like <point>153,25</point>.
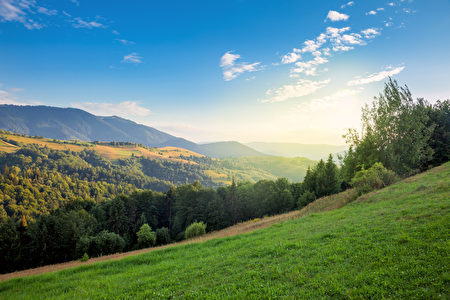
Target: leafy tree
<point>306,198</point>
<point>376,177</point>
<point>117,217</point>
<point>145,236</point>
<point>332,180</point>
<point>195,229</point>
<point>162,236</point>
<point>439,115</point>
<point>396,132</point>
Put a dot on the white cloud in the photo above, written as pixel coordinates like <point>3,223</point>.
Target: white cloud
<point>125,42</point>
<point>46,11</point>
<point>132,58</point>
<point>371,13</point>
<point>375,77</point>
<point>291,57</point>
<point>352,39</point>
<point>350,3</point>
<point>301,88</point>
<point>115,32</point>
<point>122,109</point>
<point>408,11</point>
<point>75,2</point>
<point>228,59</point>
<point>370,32</point>
<point>17,11</point>
<point>232,69</point>
<point>341,48</point>
<point>380,8</point>
<point>336,16</point>
<point>80,23</point>
<point>309,67</point>
<point>333,39</point>
<point>336,32</point>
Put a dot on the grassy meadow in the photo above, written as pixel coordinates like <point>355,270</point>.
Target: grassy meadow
<point>392,243</point>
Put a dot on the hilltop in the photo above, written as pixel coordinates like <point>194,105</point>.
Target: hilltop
<point>391,243</point>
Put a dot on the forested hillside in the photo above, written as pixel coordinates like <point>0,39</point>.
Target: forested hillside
<point>39,175</point>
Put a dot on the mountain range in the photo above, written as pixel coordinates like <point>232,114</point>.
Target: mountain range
<point>76,124</point>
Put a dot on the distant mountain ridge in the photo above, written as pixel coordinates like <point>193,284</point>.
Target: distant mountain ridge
<point>73,123</point>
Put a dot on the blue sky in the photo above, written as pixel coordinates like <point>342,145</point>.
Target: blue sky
<point>286,71</point>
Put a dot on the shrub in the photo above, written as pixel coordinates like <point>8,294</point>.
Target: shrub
<point>85,257</point>
<point>162,236</point>
<point>102,244</point>
<point>146,237</point>
<point>376,177</point>
<point>306,198</point>
<point>195,229</point>
<point>109,242</point>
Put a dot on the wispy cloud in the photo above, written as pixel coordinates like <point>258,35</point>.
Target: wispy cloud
<point>291,57</point>
<point>350,3</point>
<point>9,97</point>
<point>20,11</point>
<point>132,58</point>
<point>301,88</point>
<point>309,67</point>
<point>76,2</point>
<point>370,33</point>
<point>80,23</point>
<point>228,59</point>
<point>46,11</point>
<point>125,42</point>
<point>231,69</point>
<point>335,16</point>
<point>122,109</point>
<point>332,40</point>
<point>371,13</point>
<point>375,77</point>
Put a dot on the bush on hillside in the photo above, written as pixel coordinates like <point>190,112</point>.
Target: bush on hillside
<point>146,237</point>
<point>376,177</point>
<point>162,236</point>
<point>195,229</point>
<point>85,257</point>
<point>102,244</point>
<point>306,198</point>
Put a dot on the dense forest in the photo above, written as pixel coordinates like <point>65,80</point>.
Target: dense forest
<point>98,208</point>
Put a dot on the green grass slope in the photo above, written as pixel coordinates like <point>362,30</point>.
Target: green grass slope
<point>393,243</point>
